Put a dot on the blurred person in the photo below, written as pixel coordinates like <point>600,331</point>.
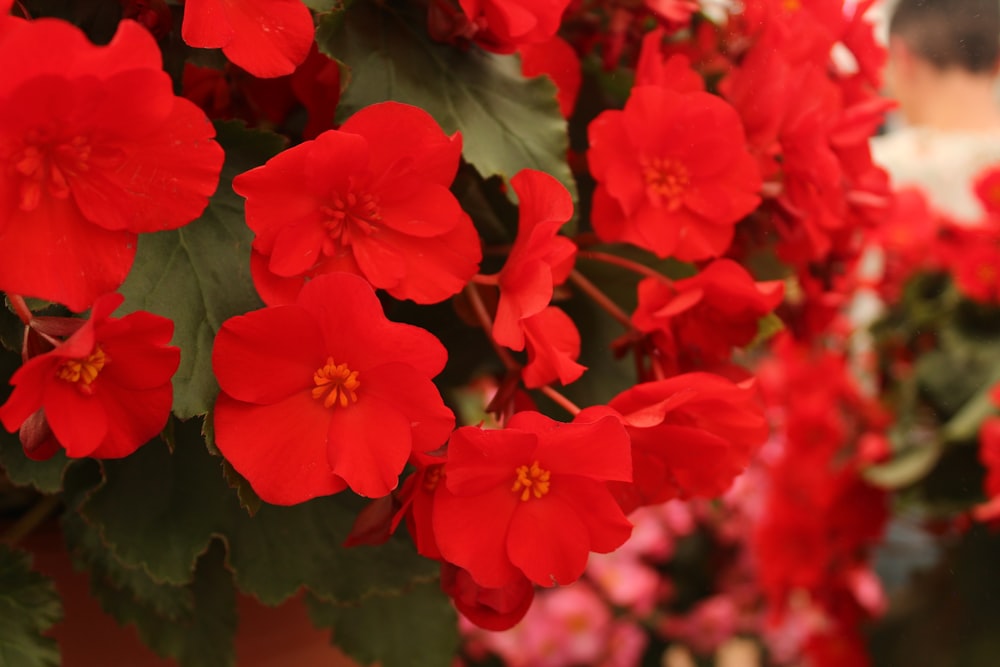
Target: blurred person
<point>943,63</point>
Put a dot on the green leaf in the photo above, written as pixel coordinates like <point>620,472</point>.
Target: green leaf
<point>415,629</point>
<point>158,510</point>
<point>29,606</point>
<point>199,275</point>
<point>907,467</point>
<point>508,122</point>
<point>201,637</point>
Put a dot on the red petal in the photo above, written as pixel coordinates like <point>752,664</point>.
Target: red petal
<point>280,449</point>
<point>600,450</point>
<point>431,421</point>
<point>369,443</point>
<point>548,541</point>
<point>77,421</point>
<point>480,460</point>
<point>268,354</point>
<point>134,417</point>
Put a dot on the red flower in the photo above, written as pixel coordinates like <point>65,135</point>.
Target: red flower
<point>987,189</point>
<point>267,38</point>
<point>691,436</point>
<point>494,609</point>
<point>103,392</point>
<point>531,499</point>
<point>699,320</point>
<point>371,198</point>
<point>553,348</point>
<point>539,260</point>
<point>94,148</point>
<point>556,59</point>
<point>673,173</point>
<point>504,25</point>
<point>977,270</point>
<point>326,393</point>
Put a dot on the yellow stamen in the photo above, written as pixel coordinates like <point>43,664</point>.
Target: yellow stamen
<point>83,372</point>
<point>531,481</point>
<point>336,383</point>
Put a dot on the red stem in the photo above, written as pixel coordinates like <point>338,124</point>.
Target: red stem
<point>20,308</point>
<point>486,322</point>
<point>561,400</point>
<point>600,298</point>
<point>624,263</point>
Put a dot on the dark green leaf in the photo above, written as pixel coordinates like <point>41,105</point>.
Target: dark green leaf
<point>508,123</point>
<point>199,275</point>
<point>202,637</point>
<point>415,629</point>
<point>29,606</point>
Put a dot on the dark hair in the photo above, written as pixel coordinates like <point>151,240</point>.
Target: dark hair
<point>951,33</point>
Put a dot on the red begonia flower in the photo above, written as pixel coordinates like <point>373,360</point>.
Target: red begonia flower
<point>532,499</point>
<point>556,59</point>
<point>267,38</point>
<point>495,609</point>
<point>987,189</point>
<point>502,26</point>
<point>698,321</point>
<point>104,391</point>
<point>673,173</point>
<point>326,393</point>
<point>553,344</point>
<point>691,435</point>
<point>539,260</point>
<point>674,72</point>
<point>94,148</point>
<point>371,198</point>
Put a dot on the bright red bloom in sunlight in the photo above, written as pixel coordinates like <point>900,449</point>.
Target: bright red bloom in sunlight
<point>103,392</point>
<point>698,321</point>
<point>372,199</point>
<point>691,436</point>
<point>326,393</point>
<point>673,173</point>
<point>265,37</point>
<point>504,25</point>
<point>540,258</point>
<point>532,499</point>
<point>94,148</point>
<point>987,189</point>
<point>977,269</point>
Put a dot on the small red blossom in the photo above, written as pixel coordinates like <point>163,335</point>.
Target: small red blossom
<point>674,72</point>
<point>691,436</point>
<point>502,26</point>
<point>987,189</point>
<point>495,609</point>
<point>673,173</point>
<point>557,60</point>
<point>698,321</point>
<point>326,393</point>
<point>977,270</point>
<point>372,199</point>
<point>531,500</point>
<point>540,258</point>
<point>267,38</point>
<point>102,392</point>
<point>94,148</point>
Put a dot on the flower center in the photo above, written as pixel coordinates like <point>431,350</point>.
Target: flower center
<point>46,164</point>
<point>83,372</point>
<point>666,181</point>
<point>432,477</point>
<point>336,383</point>
<point>531,481</point>
<point>348,218</point>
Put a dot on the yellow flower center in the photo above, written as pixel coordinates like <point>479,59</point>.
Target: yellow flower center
<point>666,181</point>
<point>336,383</point>
<point>83,372</point>
<point>531,481</point>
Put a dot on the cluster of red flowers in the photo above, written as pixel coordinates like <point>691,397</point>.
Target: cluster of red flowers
<point>321,392</point>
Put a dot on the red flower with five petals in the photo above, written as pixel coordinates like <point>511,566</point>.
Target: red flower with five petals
<point>673,173</point>
<point>532,499</point>
<point>103,392</point>
<point>370,198</point>
<point>94,148</point>
<point>326,393</point>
